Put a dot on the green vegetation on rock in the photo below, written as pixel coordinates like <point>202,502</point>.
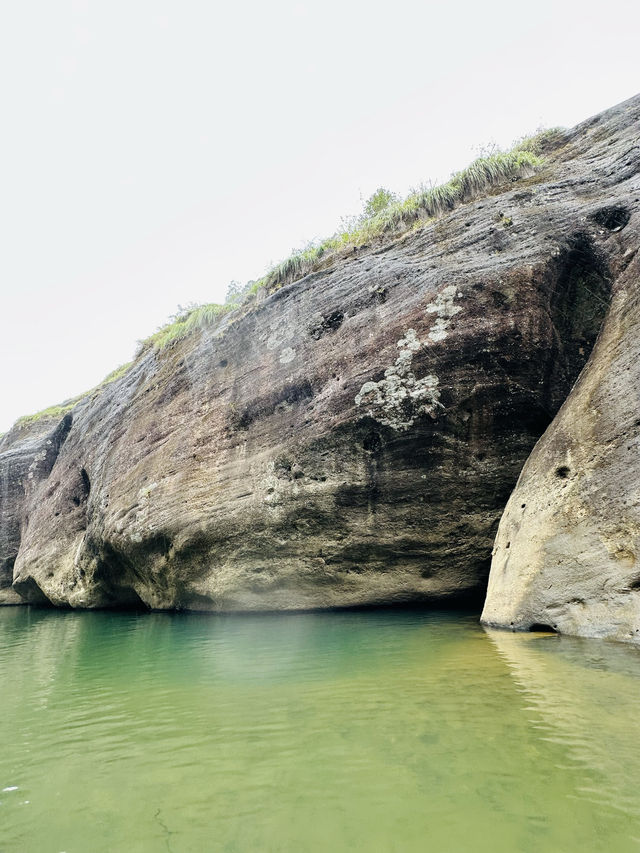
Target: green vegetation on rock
<point>395,217</point>
<point>51,412</point>
<point>185,322</point>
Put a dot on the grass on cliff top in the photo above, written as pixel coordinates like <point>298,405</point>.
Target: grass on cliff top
<point>51,412</point>
<point>399,216</point>
<point>62,409</point>
<point>390,217</point>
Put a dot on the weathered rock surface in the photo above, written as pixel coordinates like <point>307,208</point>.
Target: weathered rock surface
<point>352,439</point>
<point>566,555</point>
<point>27,459</point>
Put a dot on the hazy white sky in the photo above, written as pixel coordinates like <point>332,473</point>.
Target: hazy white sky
<point>153,150</point>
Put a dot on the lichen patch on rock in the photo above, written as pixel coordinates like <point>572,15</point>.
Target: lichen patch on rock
<point>400,398</point>
<point>444,307</point>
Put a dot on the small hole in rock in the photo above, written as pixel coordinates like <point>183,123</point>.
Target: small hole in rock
<point>541,628</point>
<point>563,472</point>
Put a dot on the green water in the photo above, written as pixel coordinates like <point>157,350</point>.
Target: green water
<point>376,731</point>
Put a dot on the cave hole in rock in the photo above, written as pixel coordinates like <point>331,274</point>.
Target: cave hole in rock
<point>84,487</point>
<point>563,472</point>
<point>117,576</point>
<point>329,323</point>
<point>372,441</point>
<point>541,628</point>
<point>613,218</point>
<point>31,591</point>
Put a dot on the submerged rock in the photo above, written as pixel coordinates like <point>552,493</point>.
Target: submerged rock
<point>352,438</point>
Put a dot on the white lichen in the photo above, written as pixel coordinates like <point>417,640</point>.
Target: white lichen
<point>398,399</point>
<point>287,355</point>
<point>444,307</point>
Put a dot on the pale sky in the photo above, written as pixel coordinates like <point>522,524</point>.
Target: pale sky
<point>153,150</point>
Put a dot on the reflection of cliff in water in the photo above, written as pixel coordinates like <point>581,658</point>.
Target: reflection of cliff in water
<point>587,694</point>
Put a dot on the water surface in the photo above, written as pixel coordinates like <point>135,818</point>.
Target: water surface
<point>378,731</point>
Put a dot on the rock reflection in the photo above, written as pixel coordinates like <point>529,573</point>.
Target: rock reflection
<point>586,693</point>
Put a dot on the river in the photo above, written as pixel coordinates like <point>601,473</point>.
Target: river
<point>349,731</point>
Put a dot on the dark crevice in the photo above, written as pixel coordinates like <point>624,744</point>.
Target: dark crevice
<point>58,438</point>
<point>541,628</point>
<point>613,218</point>
<point>578,305</point>
<point>330,323</point>
<point>6,571</point>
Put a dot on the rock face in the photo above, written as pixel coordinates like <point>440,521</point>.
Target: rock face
<point>566,554</point>
<point>26,461</point>
<point>350,440</point>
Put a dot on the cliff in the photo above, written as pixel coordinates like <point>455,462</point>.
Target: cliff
<point>566,554</point>
<point>350,439</point>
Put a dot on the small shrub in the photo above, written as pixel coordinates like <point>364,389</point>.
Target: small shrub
<point>379,201</point>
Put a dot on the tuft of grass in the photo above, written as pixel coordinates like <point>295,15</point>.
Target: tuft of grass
<point>183,324</point>
<point>542,141</point>
<point>51,412</point>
